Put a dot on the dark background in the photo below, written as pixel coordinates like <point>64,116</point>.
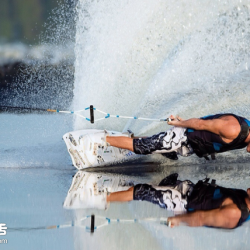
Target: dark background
<point>37,83</point>
<point>23,20</point>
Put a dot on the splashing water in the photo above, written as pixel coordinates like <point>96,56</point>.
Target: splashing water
<point>44,75</point>
<point>156,58</point>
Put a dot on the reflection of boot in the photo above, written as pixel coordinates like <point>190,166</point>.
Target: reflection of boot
<point>170,180</point>
<point>87,199</point>
<point>84,193</point>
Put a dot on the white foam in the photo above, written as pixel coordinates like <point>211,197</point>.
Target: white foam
<point>154,58</point>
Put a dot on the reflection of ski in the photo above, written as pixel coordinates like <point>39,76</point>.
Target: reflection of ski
<point>87,148</point>
<point>89,187</point>
<point>76,182</point>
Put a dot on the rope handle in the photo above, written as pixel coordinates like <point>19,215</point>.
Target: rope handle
<point>108,115</point>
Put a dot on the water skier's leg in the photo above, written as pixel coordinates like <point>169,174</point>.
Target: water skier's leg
<point>173,140</point>
<point>120,142</point>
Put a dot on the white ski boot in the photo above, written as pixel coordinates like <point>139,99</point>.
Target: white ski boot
<point>88,148</point>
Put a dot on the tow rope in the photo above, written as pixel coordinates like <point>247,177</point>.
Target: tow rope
<point>91,118</point>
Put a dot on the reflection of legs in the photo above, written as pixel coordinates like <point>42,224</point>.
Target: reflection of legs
<point>173,198</point>
<point>166,197</point>
<point>120,142</point>
<point>121,196</point>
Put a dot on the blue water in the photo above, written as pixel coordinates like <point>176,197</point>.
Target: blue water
<point>32,198</point>
<point>36,174</point>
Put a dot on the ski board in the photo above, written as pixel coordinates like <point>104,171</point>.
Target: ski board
<point>87,149</point>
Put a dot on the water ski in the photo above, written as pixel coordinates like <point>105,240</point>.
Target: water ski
<point>87,148</point>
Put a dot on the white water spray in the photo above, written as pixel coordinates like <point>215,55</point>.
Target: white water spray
<point>155,58</point>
